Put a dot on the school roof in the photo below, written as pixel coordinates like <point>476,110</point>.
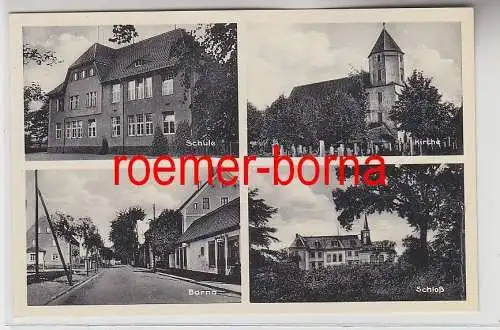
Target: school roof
<point>221,220</point>
<point>114,64</point>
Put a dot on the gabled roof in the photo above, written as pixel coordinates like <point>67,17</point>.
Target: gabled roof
<point>32,249</point>
<point>220,220</point>
<point>319,90</point>
<point>59,89</point>
<point>327,242</point>
<point>385,43</point>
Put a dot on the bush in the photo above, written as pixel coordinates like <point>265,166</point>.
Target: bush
<point>104,147</point>
<point>160,143</point>
<point>182,134</point>
<point>348,283</point>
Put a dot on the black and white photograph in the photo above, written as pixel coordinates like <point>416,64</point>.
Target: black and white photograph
<point>355,89</point>
<point>95,91</point>
<point>403,241</point>
<point>89,242</point>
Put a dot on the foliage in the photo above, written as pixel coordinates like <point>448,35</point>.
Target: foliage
<point>107,253</point>
<point>254,122</point>
<point>420,110</point>
<point>160,143</point>
<point>123,232</point>
<point>416,193</point>
<point>104,147</point>
<point>182,134</point>
<point>38,56</point>
<point>123,34</point>
<point>284,282</point>
<point>164,231</point>
<point>36,121</point>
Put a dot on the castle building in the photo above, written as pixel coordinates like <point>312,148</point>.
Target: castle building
<point>209,242</point>
<point>382,82</point>
<point>314,252</point>
<point>121,95</point>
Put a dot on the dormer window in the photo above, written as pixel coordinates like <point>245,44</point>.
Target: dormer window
<point>75,76</point>
<point>91,72</point>
<point>335,243</point>
<point>139,63</point>
<point>316,245</point>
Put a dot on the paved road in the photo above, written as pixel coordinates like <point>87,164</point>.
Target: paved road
<point>124,285</point>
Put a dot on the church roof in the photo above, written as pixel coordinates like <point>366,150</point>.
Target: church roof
<point>385,43</point>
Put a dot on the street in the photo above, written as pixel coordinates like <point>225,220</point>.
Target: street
<point>124,285</point>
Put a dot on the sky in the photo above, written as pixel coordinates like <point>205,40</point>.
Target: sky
<point>92,193</point>
<point>284,56</point>
<point>69,42</point>
<point>310,211</point>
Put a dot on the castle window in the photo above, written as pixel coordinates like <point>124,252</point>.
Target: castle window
<point>167,86</point>
<point>224,200</point>
<point>115,126</point>
<point>58,130</point>
<point>92,128</point>
<point>379,94</point>
<point>168,122</point>
<point>131,125</point>
<point>206,203</point>
<point>115,93</point>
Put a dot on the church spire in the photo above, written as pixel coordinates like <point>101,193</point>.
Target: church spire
<point>365,233</point>
<point>366,223</point>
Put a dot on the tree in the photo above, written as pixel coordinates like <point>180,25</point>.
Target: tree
<point>254,122</point>
<point>123,232</point>
<point>164,231</point>
<point>420,111</point>
<point>38,56</point>
<point>35,121</point>
<point>260,233</point>
<point>411,192</point>
<point>182,135</point>
<point>123,34</point>
<point>160,143</point>
<point>64,226</point>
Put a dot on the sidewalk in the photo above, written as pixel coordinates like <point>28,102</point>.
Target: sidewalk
<point>235,288</point>
<point>43,292</point>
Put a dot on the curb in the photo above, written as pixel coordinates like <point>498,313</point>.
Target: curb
<point>196,282</point>
<point>71,288</point>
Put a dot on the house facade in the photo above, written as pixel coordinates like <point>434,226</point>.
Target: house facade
<point>48,256</point>
<point>315,252</point>
<point>209,242</point>
<point>121,96</point>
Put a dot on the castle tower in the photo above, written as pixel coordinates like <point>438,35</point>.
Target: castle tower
<point>386,77</point>
<point>365,233</point>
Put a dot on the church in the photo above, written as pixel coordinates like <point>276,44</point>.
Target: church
<point>315,252</point>
<point>382,83</point>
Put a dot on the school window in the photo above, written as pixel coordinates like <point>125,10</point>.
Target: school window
<point>148,87</point>
<point>115,93</point>
<point>379,75</point>
<point>74,102</point>
<point>379,94</point>
<point>206,203</point>
<point>168,122</point>
<point>140,124</point>
<point>328,257</point>
<point>334,257</point>
<point>32,256</point>
<point>320,254</point>
<point>312,254</point>
<point>68,130</point>
<point>349,253</point>
<point>132,125</point>
<point>340,257</point>
<point>91,100</point>
<point>202,251</point>
<point>91,72</point>
<point>149,124</point>
<point>211,254</point>
<point>167,86</point>
<point>58,130</point>
<point>224,200</point>
<point>76,129</point>
<point>115,126</point>
<point>92,126</point>
<point>55,256</point>
<point>140,89</point>
<point>75,76</point>
<point>131,90</point>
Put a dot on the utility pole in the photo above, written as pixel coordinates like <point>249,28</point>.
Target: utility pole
<point>36,227</point>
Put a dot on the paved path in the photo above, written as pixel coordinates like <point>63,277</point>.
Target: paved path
<point>124,285</point>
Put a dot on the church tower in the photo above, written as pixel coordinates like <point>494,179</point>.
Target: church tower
<point>386,77</point>
<point>365,233</point>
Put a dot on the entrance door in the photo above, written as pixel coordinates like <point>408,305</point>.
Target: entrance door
<point>221,258</point>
